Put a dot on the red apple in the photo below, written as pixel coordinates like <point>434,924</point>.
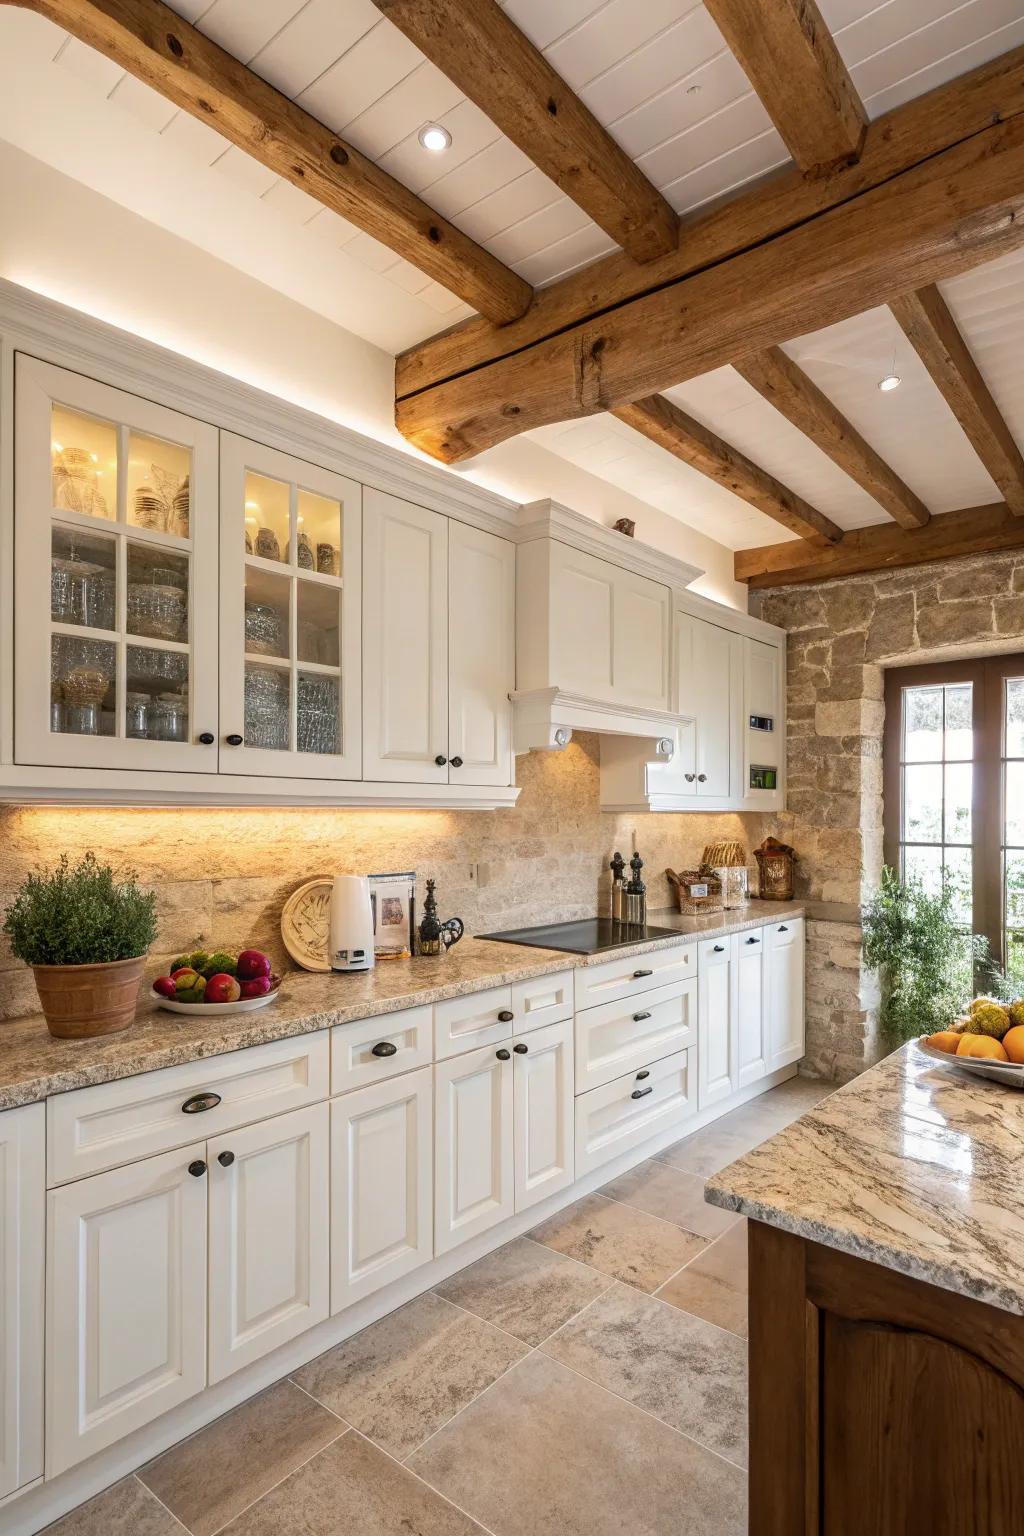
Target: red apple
<point>256,986</point>
<point>165,986</point>
<point>222,989</point>
<point>252,963</point>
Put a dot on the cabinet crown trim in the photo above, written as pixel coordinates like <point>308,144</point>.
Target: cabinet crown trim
<point>551,520</point>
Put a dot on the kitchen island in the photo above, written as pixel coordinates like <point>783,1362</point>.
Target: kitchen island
<point>887,1308</point>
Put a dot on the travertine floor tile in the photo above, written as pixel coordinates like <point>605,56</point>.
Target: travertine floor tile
<point>671,1194</point>
<point>527,1289</point>
<point>713,1147</point>
<point>678,1367</point>
<point>710,1149</point>
<point>620,1241</point>
<point>352,1489</point>
<point>547,1453</point>
<point>714,1285</point>
<point>207,1479</point>
<point>402,1378</point>
<point>126,1509</point>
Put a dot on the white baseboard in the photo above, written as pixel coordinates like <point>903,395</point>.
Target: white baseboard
<point>37,1505</point>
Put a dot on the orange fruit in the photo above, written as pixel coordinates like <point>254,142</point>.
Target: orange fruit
<point>1013,1043</point>
<point>949,1040</point>
<point>981,1045</point>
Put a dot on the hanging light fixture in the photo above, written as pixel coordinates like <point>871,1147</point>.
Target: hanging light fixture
<point>892,379</point>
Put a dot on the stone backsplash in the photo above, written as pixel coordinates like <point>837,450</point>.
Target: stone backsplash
<point>224,875</point>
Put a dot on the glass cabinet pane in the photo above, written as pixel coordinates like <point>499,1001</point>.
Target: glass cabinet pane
<point>157,487</point>
<point>83,685</point>
<point>267,517</point>
<point>319,523</point>
<point>267,604</point>
<point>316,725</point>
<point>83,578</point>
<point>319,624</point>
<point>157,605</point>
<point>267,708</point>
<point>83,453</point>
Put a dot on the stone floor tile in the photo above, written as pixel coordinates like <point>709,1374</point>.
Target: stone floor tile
<point>678,1367</point>
<point>620,1241</point>
<point>709,1150</point>
<point>548,1453</point>
<point>671,1194</point>
<point>403,1377</point>
<point>208,1478</point>
<point>126,1509</point>
<point>525,1288</point>
<point>714,1285</point>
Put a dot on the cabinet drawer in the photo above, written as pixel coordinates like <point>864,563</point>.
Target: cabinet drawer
<point>542,1000</point>
<point>617,1037</point>
<point>615,979</point>
<point>92,1129</point>
<point>463,1023</point>
<point>779,935</point>
<point>356,1057</point>
<point>620,1115</point>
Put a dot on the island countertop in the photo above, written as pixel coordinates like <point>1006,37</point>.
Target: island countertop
<point>33,1065</point>
<point>911,1166</point>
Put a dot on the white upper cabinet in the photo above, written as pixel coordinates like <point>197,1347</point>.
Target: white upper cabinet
<point>707,691</point>
<point>764,733</point>
<point>116,581</point>
<point>22,1238</point>
<point>290,622</point>
<point>481,655</point>
<point>405,642</point>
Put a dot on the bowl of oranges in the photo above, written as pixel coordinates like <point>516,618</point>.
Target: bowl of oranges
<point>987,1040</point>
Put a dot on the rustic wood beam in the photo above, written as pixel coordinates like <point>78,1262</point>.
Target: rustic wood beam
<point>783,384</point>
<point>934,335</point>
<point>790,58</point>
<point>479,48</point>
<point>955,211</point>
<point>884,547</point>
<point>152,42</point>
<point>661,420</point>
<point>901,139</point>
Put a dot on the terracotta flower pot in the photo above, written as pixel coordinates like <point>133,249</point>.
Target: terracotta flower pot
<point>80,1001</point>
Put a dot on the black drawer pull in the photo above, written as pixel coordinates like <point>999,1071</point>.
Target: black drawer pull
<point>200,1102</point>
<point>638,974</point>
<point>225,1159</point>
<point>197,1169</point>
<point>783,929</point>
<point>753,941</point>
<point>638,1018</point>
<point>503,1055</point>
<point>719,949</point>
<point>644,1072</point>
<point>384,1048</point>
<point>506,1016</point>
<point>641,1093</point>
<point>521,1048</point>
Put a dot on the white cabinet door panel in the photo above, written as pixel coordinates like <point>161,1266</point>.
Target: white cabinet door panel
<point>751,1046</point>
<point>785,972</point>
<point>481,655</point>
<point>707,660</point>
<point>609,631</point>
<point>716,1053</point>
<point>405,641</point>
<point>126,1302</point>
<point>473,1153</point>
<point>22,1243</point>
<point>269,1250</point>
<point>543,1113</point>
<point>381,1185</point>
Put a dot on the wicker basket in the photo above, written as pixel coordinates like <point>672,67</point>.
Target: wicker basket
<point>697,890</point>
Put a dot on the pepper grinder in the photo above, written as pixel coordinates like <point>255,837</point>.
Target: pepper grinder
<point>634,900</point>
<point>617,867</point>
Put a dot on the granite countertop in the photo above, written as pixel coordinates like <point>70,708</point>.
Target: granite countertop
<point>33,1065</point>
<point>912,1166</point>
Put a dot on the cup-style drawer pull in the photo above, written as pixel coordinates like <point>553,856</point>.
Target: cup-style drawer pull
<point>197,1169</point>
<point>783,928</point>
<point>637,975</point>
<point>638,1018</point>
<point>719,949</point>
<point>225,1159</point>
<point>506,1016</point>
<point>384,1048</point>
<point>641,1093</point>
<point>200,1102</point>
<point>753,941</point>
<point>644,1072</point>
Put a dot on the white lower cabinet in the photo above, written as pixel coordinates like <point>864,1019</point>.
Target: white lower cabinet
<point>542,1113</point>
<point>473,1151</point>
<point>22,1247</point>
<point>751,1043</point>
<point>269,1236</point>
<point>126,1301</point>
<point>716,1021</point>
<point>784,969</point>
<point>381,1184</point>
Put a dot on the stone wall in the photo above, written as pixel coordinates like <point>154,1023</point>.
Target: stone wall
<point>225,874</point>
<point>841,636</point>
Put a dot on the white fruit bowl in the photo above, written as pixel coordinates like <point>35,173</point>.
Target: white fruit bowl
<point>243,1005</point>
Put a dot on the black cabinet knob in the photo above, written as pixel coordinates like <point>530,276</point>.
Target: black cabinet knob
<point>637,974</point>
<point>506,1016</point>
<point>641,1093</point>
<point>197,1169</point>
<point>702,778</point>
<point>719,949</point>
<point>638,1018</point>
<point>385,1048</point>
<point>783,928</point>
<point>199,1103</point>
<point>753,941</point>
<point>503,1055</point>
<point>456,762</point>
<point>440,760</point>
<point>207,738</point>
<point>521,1048</point>
<point>225,1159</point>
<point>644,1072</point>
<point>234,740</point>
<point>689,777</point>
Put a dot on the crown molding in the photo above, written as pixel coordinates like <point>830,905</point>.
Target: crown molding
<point>551,520</point>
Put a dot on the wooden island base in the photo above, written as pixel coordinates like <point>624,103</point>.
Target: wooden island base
<point>879,1405</point>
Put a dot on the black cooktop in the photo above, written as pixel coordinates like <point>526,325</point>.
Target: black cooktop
<point>589,936</point>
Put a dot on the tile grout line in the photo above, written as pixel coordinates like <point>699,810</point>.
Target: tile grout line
<point>402,1466</point>
<point>346,1429</point>
<point>155,1497</point>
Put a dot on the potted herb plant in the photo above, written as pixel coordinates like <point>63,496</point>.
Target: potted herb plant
<point>85,935</point>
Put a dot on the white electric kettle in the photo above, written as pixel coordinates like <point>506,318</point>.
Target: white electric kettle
<point>350,942</point>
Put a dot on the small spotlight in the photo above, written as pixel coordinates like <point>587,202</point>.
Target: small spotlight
<point>891,381</point>
<point>435,138</point>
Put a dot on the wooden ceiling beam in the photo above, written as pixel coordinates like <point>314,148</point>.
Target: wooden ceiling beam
<point>884,547</point>
<point>926,322</point>
<point>478,47</point>
<point>784,385</point>
<point>901,139</point>
<point>790,58</point>
<point>955,211</point>
<point>154,44</point>
<point>662,422</point>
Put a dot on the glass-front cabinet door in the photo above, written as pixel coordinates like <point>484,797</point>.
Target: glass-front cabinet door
<point>116,578</point>
<point>290,616</point>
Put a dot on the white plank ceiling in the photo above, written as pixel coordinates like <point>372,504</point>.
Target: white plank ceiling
<point>658,75</point>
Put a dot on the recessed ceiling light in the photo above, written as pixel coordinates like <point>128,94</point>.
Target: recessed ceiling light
<point>435,138</point>
<point>891,381</point>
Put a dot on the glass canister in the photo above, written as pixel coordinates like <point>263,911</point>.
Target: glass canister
<point>262,630</point>
<point>168,717</point>
<point>136,715</point>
